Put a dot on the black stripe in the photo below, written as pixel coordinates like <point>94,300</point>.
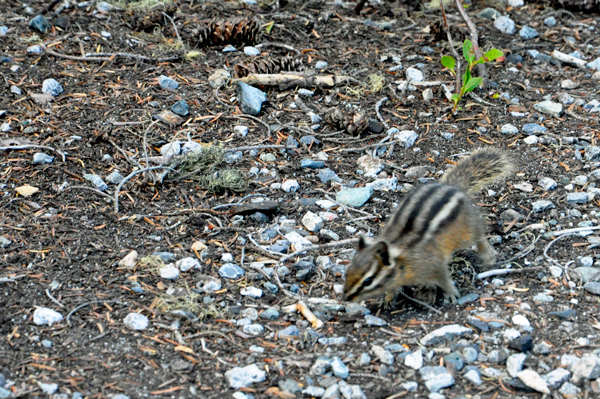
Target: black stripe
<point>451,217</point>
<point>410,221</point>
<point>433,211</point>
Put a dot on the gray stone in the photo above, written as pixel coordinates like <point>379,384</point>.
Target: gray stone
<point>446,333</point>
<point>251,292</point>
<point>586,273</point>
<point>427,95</point>
<point>326,175</point>
<point>169,272</point>
<point>250,98</point>
<point>595,65</point>
<point>470,354</point>
<point>586,368</point>
<point>136,321</point>
<point>354,197</point>
<point>547,183</point>
<point>219,78</point>
<point>321,65</point>
<point>543,298</point>
<point>565,98</point>
<point>542,205</point>
<point>414,360</point>
<point>290,186</point>
<point>410,386</point>
<point>569,84</point>
<point>509,129</point>
<point>312,164</point>
<point>242,131</point>
<point>40,23</point>
<point>253,329</point>
<point>550,21</point>
<point>332,392</point>
<point>505,25</point>
<point>468,299</point>
<point>231,271</point>
<point>289,332</point>
<point>269,314</point>
<point>333,340</point>
<point>320,366</point>
<point>339,369</point>
<point>407,138</point>
<point>533,380</point>
<point>354,309</point>
<point>488,13</point>
<point>114,178</point>
<point>40,158</point>
<point>557,377</point>
<point>312,222</point>
<point>167,83</point>
<point>180,108</point>
<point>52,87</point>
<point>531,140</point>
<point>514,364</point>
<point>592,287</point>
<point>528,33</point>
<point>383,355</point>
<point>363,360</point>
<point>375,321</point>
<point>241,377</point>
<point>48,389</point>
<point>534,128</point>
<point>473,376</point>
<point>569,390</point>
<point>4,242</point>
<point>549,108</point>
<point>289,385</point>
<point>579,198</point>
<point>414,75</point>
<point>389,184</point>
<point>46,316</point>
<point>251,51</point>
<point>371,166</point>
<point>436,378</point>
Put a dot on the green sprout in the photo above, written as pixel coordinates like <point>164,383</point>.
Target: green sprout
<point>469,82</point>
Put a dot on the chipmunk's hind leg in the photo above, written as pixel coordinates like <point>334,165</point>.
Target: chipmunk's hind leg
<point>485,252</point>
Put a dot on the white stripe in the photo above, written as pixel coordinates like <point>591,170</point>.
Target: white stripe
<point>441,216</point>
<point>358,285</point>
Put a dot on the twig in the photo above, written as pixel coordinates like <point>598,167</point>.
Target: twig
<point>87,188</point>
<point>419,302</point>
<point>551,234</point>
<point>83,305</point>
<point>176,31</point>
<point>75,58</point>
<point>256,147</point>
<point>315,247</point>
<point>254,119</point>
<point>377,106</point>
<point>11,279</point>
<point>474,39</point>
<point>456,57</point>
<point>286,292</point>
<point>520,254</point>
<point>413,23</point>
<point>49,295</point>
<point>129,177</point>
<point>301,308</point>
<point>136,56</point>
<point>26,146</point>
<point>146,140</point>
<point>556,263</point>
<point>502,272</point>
<point>273,44</point>
<point>270,254</point>
<point>358,149</point>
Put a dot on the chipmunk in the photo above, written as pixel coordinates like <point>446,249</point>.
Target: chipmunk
<point>432,222</point>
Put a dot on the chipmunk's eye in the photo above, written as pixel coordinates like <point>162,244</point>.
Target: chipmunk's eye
<point>368,281</point>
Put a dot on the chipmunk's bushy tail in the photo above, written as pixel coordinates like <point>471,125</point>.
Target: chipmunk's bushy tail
<point>482,167</point>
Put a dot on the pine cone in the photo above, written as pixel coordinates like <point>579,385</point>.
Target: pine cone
<point>267,65</point>
<point>152,20</point>
<point>216,33</point>
<point>354,124</point>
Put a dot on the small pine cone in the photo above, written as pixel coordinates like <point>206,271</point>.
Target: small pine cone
<point>267,65</point>
<point>353,124</point>
<point>216,33</point>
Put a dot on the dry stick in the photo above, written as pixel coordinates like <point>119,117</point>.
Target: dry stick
<point>11,279</point>
<point>564,268</point>
<point>83,305</point>
<point>257,147</point>
<point>176,31</point>
<point>474,39</point>
<point>49,295</point>
<point>377,106</point>
<point>368,146</point>
<point>407,27</point>
<point>419,302</point>
<point>24,147</point>
<point>315,247</point>
<point>75,58</point>
<point>273,44</point>
<point>270,254</point>
<point>129,177</point>
<point>502,272</point>
<point>520,254</point>
<point>569,231</point>
<point>129,55</point>
<point>456,57</point>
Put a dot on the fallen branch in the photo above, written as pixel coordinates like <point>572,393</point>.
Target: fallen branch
<point>83,305</point>
<point>551,234</point>
<point>130,55</point>
<point>273,44</point>
<point>377,106</point>
<point>295,79</point>
<point>569,59</point>
<point>315,247</point>
<point>24,147</point>
<point>502,272</point>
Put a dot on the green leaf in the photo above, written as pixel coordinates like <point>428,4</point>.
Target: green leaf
<point>269,26</point>
<point>468,51</point>
<point>466,76</point>
<point>449,62</point>
<point>492,55</point>
<point>455,98</point>
<point>472,83</point>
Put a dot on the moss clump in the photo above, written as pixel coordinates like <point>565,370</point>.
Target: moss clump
<point>377,82</point>
<point>140,5</point>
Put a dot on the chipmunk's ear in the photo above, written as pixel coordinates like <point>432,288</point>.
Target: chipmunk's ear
<point>381,253</point>
<point>362,243</point>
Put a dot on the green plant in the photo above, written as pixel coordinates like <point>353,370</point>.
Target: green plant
<point>469,82</point>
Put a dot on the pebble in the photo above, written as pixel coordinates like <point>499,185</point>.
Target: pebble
<point>446,333</point>
<point>569,390</point>
<point>320,366</point>
<point>364,360</point>
<point>592,287</point>
<point>549,108</point>
<point>15,90</point>
<point>534,128</point>
<point>531,140</point>
<point>410,386</point>
<point>169,272</point>
<point>339,369</point>
<point>136,321</point>
<point>390,184</point>
<point>542,298</point>
<point>312,222</point>
<point>252,292</point>
<point>180,108</point>
<point>407,138</point>
<point>115,178</point>
<point>326,175</point>
<point>253,329</point>
<point>505,25</point>
<point>269,314</point>
<point>533,380</point>
<point>547,183</point>
<point>167,83</point>
<point>374,321</point>
<point>579,198</point>
<point>528,33</point>
<point>332,392</point>
<point>414,360</point>
<point>586,273</point>
<point>314,391</point>
<point>290,186</point>
<point>40,158</point>
<point>565,99</point>
<point>250,98</point>
<point>219,78</point>
<point>231,271</point>
<point>48,389</point>
<point>289,385</point>
<point>3,30</point>
<point>514,364</point>
<point>427,95</point>
<point>52,87</point>
<point>46,316</point>
<point>312,164</point>
<point>332,340</point>
<point>371,166</point>
<point>569,84</point>
<point>509,129</point>
<point>498,356</point>
<point>321,65</point>
<point>289,332</point>
<point>229,49</point>
<point>470,354</point>
<point>383,355</point>
<point>297,240</point>
<point>354,197</point>
<point>586,368</point>
<point>473,376</point>
<point>550,21</point>
<point>542,205</point>
<point>40,23</point>
<point>251,51</point>
<point>516,3</point>
<point>521,344</point>
<point>557,377</point>
<point>241,131</point>
<point>436,378</point>
<point>4,242</point>
<point>414,75</point>
<point>243,377</point>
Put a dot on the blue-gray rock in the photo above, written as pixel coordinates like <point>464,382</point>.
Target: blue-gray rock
<point>468,299</point>
<point>569,314</point>
<point>40,23</point>
<point>289,385</point>
<point>595,65</point>
<point>339,369</point>
<point>407,138</point>
<point>523,343</point>
<point>446,333</point>
<point>414,75</point>
<point>375,321</point>
<point>509,129</point>
<point>354,309</point>
<point>514,58</point>
<point>565,98</point>
<point>549,108</point>
<point>514,363</point>
<point>332,340</point>
<point>231,271</point>
<point>307,93</point>
<point>313,391</point>
<point>354,197</point>
<point>309,140</point>
<point>320,366</point>
<point>269,314</point>
<point>505,25</point>
<point>272,288</point>
<point>436,378</point>
<point>534,128</point>
<point>3,30</point>
<point>550,21</point>
<point>180,108</point>
<point>240,377</point>
<point>545,298</point>
<point>41,158</point>
<point>542,205</point>
<point>52,87</point>
<point>114,178</point>
<point>579,198</point>
<point>97,181</point>
<point>592,153</point>
<point>167,83</point>
<point>474,376</point>
<point>488,13</point>
<point>312,164</point>
<point>547,183</point>
<point>528,33</point>
<point>289,332</point>
<point>233,157</point>
<point>321,65</point>
<point>250,98</point>
<point>46,343</point>
<point>470,354</point>
<point>136,321</point>
<point>229,49</point>
<point>327,175</point>
<point>455,359</point>
<point>593,287</point>
<point>251,51</point>
<point>292,142</point>
<point>15,90</point>
<point>166,257</point>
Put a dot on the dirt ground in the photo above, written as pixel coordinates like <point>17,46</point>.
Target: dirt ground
<point>64,242</point>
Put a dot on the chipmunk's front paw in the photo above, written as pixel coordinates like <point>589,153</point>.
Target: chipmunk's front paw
<point>389,301</point>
